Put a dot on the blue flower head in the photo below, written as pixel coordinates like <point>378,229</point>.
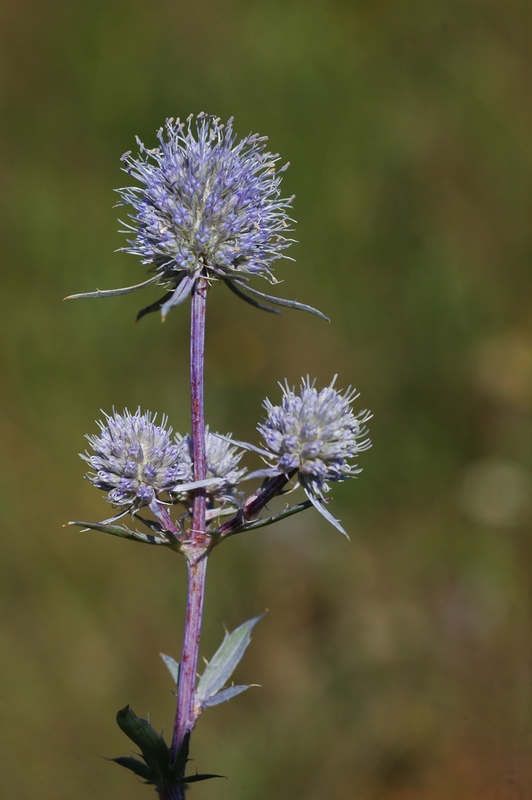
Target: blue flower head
<point>134,460</point>
<point>208,206</point>
<point>138,464</point>
<point>314,434</point>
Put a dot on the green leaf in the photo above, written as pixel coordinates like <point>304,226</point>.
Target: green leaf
<point>177,778</point>
<point>122,532</point>
<point>223,663</point>
<point>172,666</point>
<point>154,749</point>
<point>196,778</point>
<point>178,767</point>
<point>157,770</point>
<point>136,766</point>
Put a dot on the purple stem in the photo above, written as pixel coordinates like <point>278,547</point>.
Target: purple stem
<point>196,551</point>
<point>197,364</point>
<point>160,511</point>
<point>254,504</point>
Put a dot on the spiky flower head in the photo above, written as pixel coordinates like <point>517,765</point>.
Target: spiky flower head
<point>314,434</point>
<point>222,458</point>
<point>134,460</point>
<point>208,206</point>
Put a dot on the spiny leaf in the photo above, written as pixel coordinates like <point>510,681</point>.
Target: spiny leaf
<point>156,753</point>
<point>224,695</point>
<point>221,667</point>
<point>154,306</point>
<point>233,287</point>
<point>319,505</point>
<point>182,291</point>
<point>178,767</point>
<point>114,292</point>
<point>196,778</point>
<point>123,533</point>
<point>152,524</point>
<point>262,523</point>
<point>138,767</point>
<point>280,301</point>
<point>154,749</point>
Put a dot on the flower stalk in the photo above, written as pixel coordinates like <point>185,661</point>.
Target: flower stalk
<point>196,549</point>
<point>186,716</point>
<point>197,367</point>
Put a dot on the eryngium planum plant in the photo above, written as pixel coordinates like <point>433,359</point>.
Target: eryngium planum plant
<point>207,208</point>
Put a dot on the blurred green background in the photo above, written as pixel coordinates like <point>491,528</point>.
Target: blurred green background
<point>397,665</point>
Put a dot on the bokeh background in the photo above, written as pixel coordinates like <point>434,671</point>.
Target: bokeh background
<point>398,665</point>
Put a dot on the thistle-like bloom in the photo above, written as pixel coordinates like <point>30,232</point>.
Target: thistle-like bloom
<point>135,461</point>
<point>208,206</point>
<point>222,458</point>
<point>314,433</point>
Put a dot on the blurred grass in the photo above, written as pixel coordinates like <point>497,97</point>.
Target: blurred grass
<point>396,666</point>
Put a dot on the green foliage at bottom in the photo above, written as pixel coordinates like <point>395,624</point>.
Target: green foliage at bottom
<point>157,768</point>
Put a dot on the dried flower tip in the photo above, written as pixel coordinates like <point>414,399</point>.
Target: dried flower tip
<point>134,460</point>
<point>314,433</point>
